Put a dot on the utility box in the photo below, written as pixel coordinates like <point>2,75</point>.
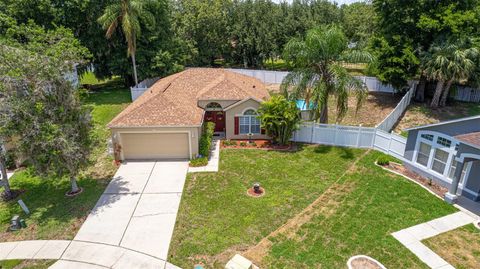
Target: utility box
<point>15,223</point>
<point>240,262</point>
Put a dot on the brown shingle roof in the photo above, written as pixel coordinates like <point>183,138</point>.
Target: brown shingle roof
<point>172,101</point>
<point>472,139</point>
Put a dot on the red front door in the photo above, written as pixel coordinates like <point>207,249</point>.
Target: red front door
<point>218,117</point>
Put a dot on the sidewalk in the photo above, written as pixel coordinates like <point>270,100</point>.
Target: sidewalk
<point>411,237</point>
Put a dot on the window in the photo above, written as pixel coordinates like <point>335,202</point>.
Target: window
<point>249,123</point>
<point>427,136</point>
<point>440,159</point>
<point>444,142</point>
<point>213,106</point>
<point>423,154</point>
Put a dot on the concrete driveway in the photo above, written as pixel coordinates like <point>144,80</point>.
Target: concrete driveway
<point>138,209</point>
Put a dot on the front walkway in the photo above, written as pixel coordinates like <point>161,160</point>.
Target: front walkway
<point>411,237</point>
<point>213,161</point>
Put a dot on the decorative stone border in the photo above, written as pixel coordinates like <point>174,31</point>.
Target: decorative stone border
<point>349,262</point>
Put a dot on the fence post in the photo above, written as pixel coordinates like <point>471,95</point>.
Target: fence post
<point>313,133</point>
<point>358,135</point>
<point>335,135</point>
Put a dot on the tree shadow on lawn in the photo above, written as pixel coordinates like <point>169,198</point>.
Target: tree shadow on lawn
<point>111,92</point>
<point>53,215</point>
<point>346,153</point>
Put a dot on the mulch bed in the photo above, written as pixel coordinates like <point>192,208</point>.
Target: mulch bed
<point>430,184</point>
<point>255,144</point>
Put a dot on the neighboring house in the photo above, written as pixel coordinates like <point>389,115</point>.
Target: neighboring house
<point>449,153</point>
<point>165,122</point>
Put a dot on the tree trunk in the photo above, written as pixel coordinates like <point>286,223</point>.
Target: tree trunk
<point>134,69</point>
<point>438,94</point>
<point>73,182</point>
<point>420,95</point>
<point>3,172</point>
<point>324,114</point>
<point>443,101</point>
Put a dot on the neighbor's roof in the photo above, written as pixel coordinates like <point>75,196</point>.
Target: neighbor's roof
<point>172,101</point>
<point>442,123</point>
<point>471,139</point>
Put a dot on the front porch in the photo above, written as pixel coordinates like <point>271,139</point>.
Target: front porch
<point>466,178</point>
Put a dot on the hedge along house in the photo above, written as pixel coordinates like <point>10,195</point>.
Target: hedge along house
<point>165,121</point>
<point>449,153</point>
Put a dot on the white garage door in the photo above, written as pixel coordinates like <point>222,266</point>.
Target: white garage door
<point>155,146</point>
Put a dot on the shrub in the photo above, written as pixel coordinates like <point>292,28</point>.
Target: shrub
<point>202,161</point>
<point>253,144</point>
<point>279,118</point>
<point>229,143</point>
<point>243,144</point>
<point>206,139</point>
<point>383,161</point>
<point>10,160</point>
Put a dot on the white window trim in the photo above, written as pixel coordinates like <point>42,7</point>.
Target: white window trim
<point>434,145</point>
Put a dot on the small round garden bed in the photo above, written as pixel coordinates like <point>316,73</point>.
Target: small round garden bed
<point>259,192</point>
<point>364,262</point>
<point>73,194</point>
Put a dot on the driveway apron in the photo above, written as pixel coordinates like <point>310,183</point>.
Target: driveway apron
<point>138,209</point>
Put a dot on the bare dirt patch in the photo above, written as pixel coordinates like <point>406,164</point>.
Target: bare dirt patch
<point>421,114</point>
<point>373,111</point>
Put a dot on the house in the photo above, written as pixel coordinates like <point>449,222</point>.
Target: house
<point>165,121</point>
<point>449,153</point>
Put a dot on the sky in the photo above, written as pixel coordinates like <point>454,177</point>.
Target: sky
<point>338,1</point>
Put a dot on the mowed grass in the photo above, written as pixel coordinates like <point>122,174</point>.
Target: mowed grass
<point>356,215</point>
<point>460,247</point>
<point>26,264</point>
<point>54,216</point>
<point>217,216</point>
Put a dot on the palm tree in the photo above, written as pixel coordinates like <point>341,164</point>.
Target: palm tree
<point>318,72</point>
<point>448,63</point>
<point>126,14</point>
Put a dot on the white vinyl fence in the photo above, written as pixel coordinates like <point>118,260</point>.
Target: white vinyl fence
<point>276,77</point>
<point>265,76</point>
<point>392,118</point>
<point>351,136</point>
<point>141,87</point>
<point>337,135</point>
<point>467,94</point>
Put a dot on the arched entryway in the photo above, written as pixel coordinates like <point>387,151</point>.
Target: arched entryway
<point>214,113</point>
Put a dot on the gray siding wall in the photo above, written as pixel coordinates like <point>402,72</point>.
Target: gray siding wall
<point>452,129</point>
<point>473,182</point>
<point>473,179</point>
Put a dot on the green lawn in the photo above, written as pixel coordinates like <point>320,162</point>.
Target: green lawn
<point>54,216</point>
<point>355,213</point>
<point>460,247</point>
<point>25,264</point>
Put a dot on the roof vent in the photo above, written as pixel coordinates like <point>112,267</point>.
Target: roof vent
<point>254,86</point>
